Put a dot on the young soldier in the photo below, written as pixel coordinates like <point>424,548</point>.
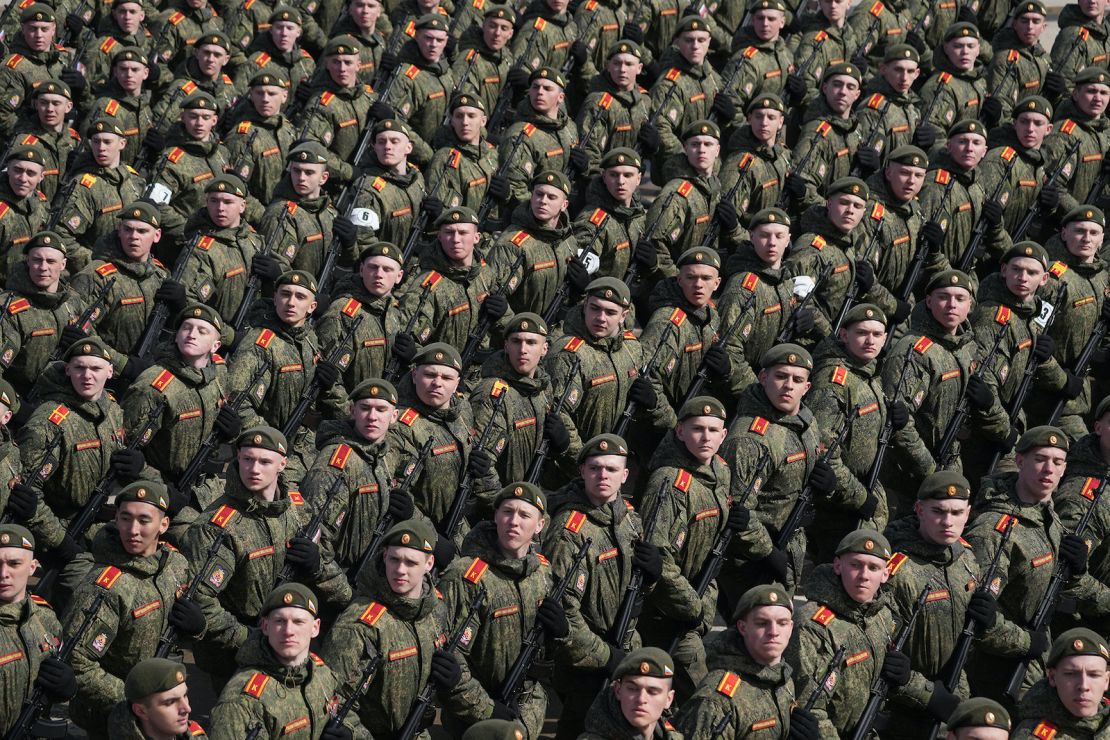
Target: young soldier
<point>33,59</point>
<point>616,113</point>
<point>155,703</point>
<point>613,217</point>
<point>633,705</point>
<point>49,128</point>
<point>958,82</point>
<point>1084,120</point>
<point>361,22</point>
<point>278,49</point>
<point>890,115</point>
<point>1082,40</point>
<point>394,188</point>
<point>1020,65</point>
<point>124,98</point>
<point>761,58</point>
<point>262,137</point>
<point>979,719</point>
<point>125,27</point>
<point>696,82</point>
<point>203,73</point>
<point>343,110</point>
<point>823,38</point>
<point>23,210</point>
<point>489,73</point>
<point>757,158</point>
<point>466,160</point>
<point>1068,703</point>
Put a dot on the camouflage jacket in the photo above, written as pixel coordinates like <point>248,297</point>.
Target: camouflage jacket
<point>29,633</point>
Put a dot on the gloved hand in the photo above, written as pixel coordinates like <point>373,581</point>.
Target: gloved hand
<point>727,216</point>
<point>22,503</point>
<point>1007,444</point>
<point>76,81</point>
<point>499,188</point>
<point>579,161</point>
<point>1038,643</point>
<point>933,234</point>
<point>804,321</point>
<point>134,368</point>
<point>1073,388</point>
<point>868,160</point>
<point>1049,197</point>
<point>941,703</point>
<point>494,307</point>
<point>304,555</point>
<point>266,267</point>
<point>991,112</point>
<point>867,509</point>
<point>380,111</point>
<point>336,731</point>
<point>154,140</point>
<point>178,500</point>
<point>1043,348</point>
<point>901,311</point>
<point>187,617</point>
<point>389,62</point>
<point>616,655</point>
<point>632,32</point>
<point>795,89</point>
<point>723,107</point>
<point>578,52</point>
<point>577,277</point>
<point>896,668</point>
<point>979,394</point>
<point>344,231</point>
<point>62,553</point>
<point>479,464</point>
<point>446,672</point>
<point>172,293</point>
<point>795,186</point>
<point>126,464</point>
<point>717,362</point>
<point>914,39</point>
<point>739,517</point>
<point>300,97</point>
<point>228,424</point>
<point>518,78</point>
<point>56,679</point>
<point>553,618</point>
<point>924,136</point>
<point>865,276</point>
<point>648,137</point>
<point>644,255</point>
<point>75,24</point>
<point>993,212</point>
<point>404,347</point>
<point>555,431</point>
<point>72,334</point>
<point>400,505</point>
<point>859,61</point>
<point>646,557</point>
<point>327,374</point>
<point>966,14</point>
<point>502,711</point>
<point>432,206</point>
<point>982,609</point>
<point>1054,85</point>
<point>822,478</point>
<point>1104,314</point>
<point>642,393</point>
<point>444,553</point>
<point>776,564</point>
<point>803,725</point>
<point>1074,552</point>
<point>899,415</point>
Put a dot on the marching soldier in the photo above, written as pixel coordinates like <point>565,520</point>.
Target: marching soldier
<point>823,38</point>
<point>695,84</point>
<point>1020,65</point>
<point>342,110</point>
<point>49,128</point>
<point>23,210</point>
<point>488,75</point>
<point>262,137</point>
<point>124,27</point>
<point>123,97</point>
<point>1081,41</point>
<point>277,49</point>
<point>757,157</point>
<point>958,86</point>
<point>979,718</point>
<point>183,27</point>
<point>155,703</point>
<point>616,113</point>
<point>636,700</point>
<point>762,59</point>
<point>1088,460</point>
<point>466,161</point>
<point>1068,703</point>
<point>613,218</point>
<point>1084,118</point>
<point>34,59</point>
<point>362,22</point>
<point>203,72</point>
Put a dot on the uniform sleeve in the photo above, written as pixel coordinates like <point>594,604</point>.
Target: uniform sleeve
<point>582,648</point>
<point>668,118</point>
<point>913,391</point>
<point>671,217</point>
<point>474,701</point>
<point>698,717</point>
<point>559,365</point>
<point>235,714</point>
<point>95,685</point>
<point>223,628</point>
<point>346,649</point>
<point>830,407</point>
<point>244,364</point>
<point>34,441</point>
<point>674,595</point>
<point>808,654</point>
<point>743,453</point>
<point>1007,638</point>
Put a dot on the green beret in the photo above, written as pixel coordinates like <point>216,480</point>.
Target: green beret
<point>764,101</point>
<point>625,46</point>
<point>27,153</point>
<point>850,186</point>
<point>1077,641</point>
<point>129,54</point>
<point>961,30</point>
<point>1102,408</point>
<point>622,156</point>
<point>152,676</point>
<point>768,5</point>
<point>37,13</point>
<point>699,256</point>
<point>52,87</point>
<point>1092,76</point>
<point>702,406</point>
<point>107,125</point>
<point>145,492</point>
<point>438,353</point>
<point>967,126</point>
<point>431,22</point>
<point>864,312</point>
<point>270,78</point>
<point>771,215</point>
<point>1090,214</point>
<point>944,485</point>
<point>299,278</point>
<point>213,38</point>
<point>201,312</point>
<point>979,712</point>
<point>413,533</point>
<point>308,152</point>
<point>603,444</point>
<point>381,249</point>
<point>553,178</point>
<point>646,661</point>
<point>690,23</point>
<point>548,73</point>
<point>701,128</point>
<point>494,729</point>
<point>466,100</point>
<point>376,389</point>
<point>285,13</point>
<point>502,12</point>
<point>342,44</point>
<point>292,595</point>
<point>1033,104</point>
<point>143,211</point>
<point>844,68</point>
<point>13,535</point>
<point>1030,6</point>
<point>457,215</point>
<point>51,239</point>
<point>787,354</point>
<point>865,542</point>
<point>395,125</point>
<point>950,279</point>
<point>910,155</point>
<point>88,347</point>
<point>227,183</point>
<point>1042,436</point>
<point>900,52</point>
<point>528,492</point>
<point>770,595</point>
<point>264,438</point>
<point>610,289</point>
<point>526,322</point>
<point>8,396</point>
<point>1027,249</point>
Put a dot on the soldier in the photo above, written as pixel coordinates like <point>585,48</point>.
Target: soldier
<point>613,218</point>
<point>757,158</point>
<point>490,71</point>
<point>263,136</point>
<point>125,27</point>
<point>18,501</point>
<point>590,507</point>
<point>123,98</point>
<point>398,615</point>
<point>466,160</point>
<point>34,59</point>
<point>890,114</point>
<point>604,126</point>
<point>183,27</point>
<point>361,22</point>
<point>342,110</point>
<point>303,688</point>
<point>155,703</point>
<point>555,32</point>
<point>877,28</point>
<point>393,187</point>
<point>204,73</point>
<point>1020,65</point>
<point>762,59</point>
<point>28,622</point>
<point>258,521</point>
<point>696,94</point>
<point>958,85</point>
<point>979,719</point>
<point>424,84</point>
<point>1081,41</point>
<point>23,209</point>
<point>823,38</point>
<point>1084,119</point>
<point>1088,459</point>
<point>1067,703</point>
<point>750,683</point>
<point>142,577</point>
<point>277,49</point>
<point>635,701</point>
<point>49,128</point>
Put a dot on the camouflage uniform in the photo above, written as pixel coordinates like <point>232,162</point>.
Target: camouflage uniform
<point>547,251</point>
<point>420,96</point>
<point>23,70</point>
<point>835,141</point>
<point>1023,68</point>
<point>758,67</point>
<point>370,345</point>
<point>297,64</point>
<point>959,94</point>
<point>825,44</point>
<point>167,111</point>
<point>555,32</point>
<point>306,233</point>
<point>340,117</point>
<point>189,166</point>
<point>763,175</point>
<point>1083,168</point>
<point>133,112</point>
<point>487,76</point>
<point>217,271</point>
<point>1086,466</point>
<point>690,102</point>
<point>57,144</point>
<point>98,54</point>
<point>1026,173</point>
<point>371,45</point>
<point>899,224</point>
<point>609,118</point>
<point>465,170</point>
<point>888,119</point>
<point>1081,42</point>
<point>395,198</point>
<point>686,333</point>
<point>28,629</point>
<point>545,144</point>
<point>683,222</point>
<point>20,219</point>
<point>606,719</point>
<point>91,210</point>
<point>1044,714</point>
<point>621,228</point>
<point>265,153</point>
<point>181,27</point>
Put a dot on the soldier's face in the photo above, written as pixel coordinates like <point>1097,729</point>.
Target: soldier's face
<point>603,476</point>
<point>835,10</point>
<point>771,242</point>
<point>525,350</point>
<point>979,733</point>
<point>372,418</point>
<point>901,74</point>
<point>698,283</point>
<point>1092,98</point>
<point>405,569</point>
<point>967,150</point>
<point>548,203</point>
<point>767,23</point>
<point>1102,429</point>
<point>860,575</point>
<point>962,52</point>
<point>693,46</point>
<point>785,385</point>
<point>702,436</point>
<point>468,122</point>
<point>435,384</point>
<point>225,210</point>
<point>130,75</point>
<point>106,148</point>
<point>165,714</point>
<point>1023,276</point>
<point>766,631</point>
<point>24,177</point>
<point>545,96</point>
<point>198,122</point>
<point>702,152</point>
<point>380,275</point>
<point>1083,239</point>
<point>343,68</point>
<point>604,318</point>
<point>643,699</point>
<point>622,182</point>
<point>458,242</point>
<point>841,92</point>
<point>259,468</point>
<point>268,99</point>
<point>1080,681</point>
<point>211,59</point>
<point>1028,27</point>
<point>518,523</point>
<point>365,13</point>
<point>307,179</point>
<point>52,109</point>
<point>623,69</point>
<point>289,631</point>
<point>949,306</point>
<point>196,338</point>
<point>765,124</point>
<point>942,522</point>
<point>558,6</point>
<point>1040,470</point>
<point>139,526</point>
<point>864,340</point>
<point>45,265</point>
<point>392,148</point>
<point>294,304</point>
<point>905,180</point>
<point>846,211</point>
<point>128,16</point>
<point>285,34</point>
<point>88,375</point>
<point>16,566</point>
<point>1031,128</point>
<point>39,35</point>
<point>136,238</point>
<point>1092,8</point>
<point>497,32</point>
<point>431,43</point>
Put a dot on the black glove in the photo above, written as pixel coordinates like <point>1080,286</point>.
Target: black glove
<point>154,140</point>
<point>555,431</point>
<point>1007,444</point>
<point>723,107</point>
<point>924,136</point>
<point>479,464</point>
<point>444,553</point>
<point>992,213</point>
<point>577,277</point>
<point>76,81</point>
<point>933,234</point>
<point>727,216</point>
<point>327,374</point>
<point>178,500</point>
<point>804,321</point>
<point>717,362</point>
<point>616,655</point>
<point>499,188</point>
<point>380,111</point>
<point>404,347</point>
<point>126,464</point>
<point>578,52</point>
<point>1049,197</point>
<point>344,231</point>
<point>867,509</point>
<point>648,137</point>
<point>72,334</point>
<point>983,610</point>
<point>803,725</point>
<point>432,206</point>
<point>518,78</point>
<point>304,555</point>
<point>822,478</point>
<point>336,731</point>
<point>266,267</point>
<point>446,672</point>
<point>642,393</point>
<point>579,160</point>
<point>553,619</point>
<point>632,32</point>
<point>494,307</point>
<point>859,61</point>
<point>865,275</point>
<point>172,293</point>
<point>739,517</point>
<point>867,159</point>
<point>134,368</point>
<point>1073,388</point>
<point>942,702</point>
<point>187,617</point>
<point>1104,314</point>
<point>389,62</point>
<point>449,49</point>
<point>795,89</point>
<point>795,186</point>
<point>304,92</point>
<point>1074,552</point>
<point>61,553</point>
<point>400,505</point>
<point>966,14</point>
<point>502,711</point>
<point>1054,85</point>
<point>1043,348</point>
<point>914,39</point>
<point>56,679</point>
<point>776,564</point>
<point>901,311</point>
<point>75,24</point>
<point>896,668</point>
<point>899,415</point>
<point>22,503</point>
<point>979,394</point>
<point>228,424</point>
<point>991,112</point>
<point>644,255</point>
<point>1038,643</point>
<point>646,557</point>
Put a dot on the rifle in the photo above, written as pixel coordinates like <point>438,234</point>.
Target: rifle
<point>955,667</point>
<point>1082,365</point>
<point>635,580</point>
<point>168,640</point>
<point>306,120</point>
<point>161,311</point>
<point>155,191</point>
<point>418,226</point>
<point>819,133</point>
<point>424,699</point>
<point>486,206</point>
<point>1047,608</point>
<point>801,507</point>
<point>369,671</point>
<point>701,377</point>
<point>853,287</point>
<point>1011,65</point>
<point>142,158</point>
<point>979,232</point>
<point>922,253</point>
<point>787,332</point>
<point>505,97</point>
<point>331,256</point>
<point>880,687</point>
<point>254,732</point>
<point>312,390</point>
<point>559,299</point>
<point>878,129</point>
<point>888,425</point>
<point>243,170</point>
<point>514,680</point>
<point>819,40</point>
<point>61,198</point>
<point>482,326</point>
<point>1035,209</point>
<point>645,372</point>
<point>312,529</point>
<point>1030,370</point>
<point>726,85</point>
<point>634,267</point>
<point>957,420</point>
<point>876,12</point>
<point>466,485</point>
<point>824,688</point>
<point>535,468</point>
<point>569,63</point>
<point>254,283</point>
<point>4,17</point>
<point>394,365</point>
<point>587,132</point>
<point>472,56</point>
<point>38,702</point>
<point>714,228</point>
